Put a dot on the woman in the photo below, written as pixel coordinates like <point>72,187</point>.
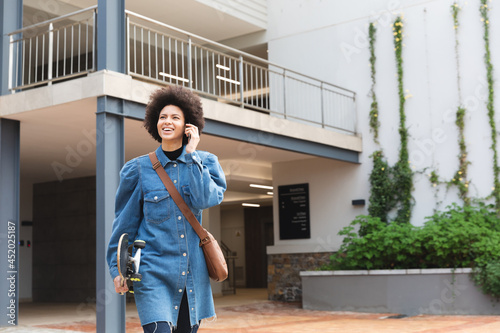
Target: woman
<point>174,294</point>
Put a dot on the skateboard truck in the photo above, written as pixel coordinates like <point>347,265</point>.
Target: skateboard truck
<point>128,265</point>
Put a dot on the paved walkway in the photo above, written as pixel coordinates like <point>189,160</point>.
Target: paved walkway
<point>246,314</point>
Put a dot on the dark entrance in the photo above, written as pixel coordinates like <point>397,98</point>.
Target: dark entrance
<point>258,235</point>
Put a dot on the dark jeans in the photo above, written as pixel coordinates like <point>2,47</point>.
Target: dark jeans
<point>183,323</point>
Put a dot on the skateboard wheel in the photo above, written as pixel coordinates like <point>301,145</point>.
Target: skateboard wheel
<point>136,277</point>
<point>139,244</point>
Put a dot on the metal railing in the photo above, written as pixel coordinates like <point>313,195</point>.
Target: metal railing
<point>52,50</point>
<point>167,55</point>
<point>65,47</point>
<point>229,285</point>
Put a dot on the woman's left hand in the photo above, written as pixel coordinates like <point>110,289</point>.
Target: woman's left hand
<point>193,138</point>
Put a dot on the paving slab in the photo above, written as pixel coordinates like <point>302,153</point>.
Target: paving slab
<point>250,312</point>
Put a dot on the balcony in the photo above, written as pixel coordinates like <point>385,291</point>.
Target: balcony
<point>65,47</point>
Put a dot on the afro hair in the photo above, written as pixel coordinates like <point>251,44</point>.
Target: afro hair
<point>183,98</point>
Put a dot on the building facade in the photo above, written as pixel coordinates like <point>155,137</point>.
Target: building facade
<point>76,77</point>
<point>287,93</point>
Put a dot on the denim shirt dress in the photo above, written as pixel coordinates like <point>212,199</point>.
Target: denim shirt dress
<point>172,260</point>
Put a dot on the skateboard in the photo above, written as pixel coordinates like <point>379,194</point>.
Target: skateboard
<point>128,265</point>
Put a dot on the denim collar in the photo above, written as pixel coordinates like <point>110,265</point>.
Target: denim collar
<point>164,159</point>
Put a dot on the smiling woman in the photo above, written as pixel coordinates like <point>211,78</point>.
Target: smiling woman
<point>174,294</point>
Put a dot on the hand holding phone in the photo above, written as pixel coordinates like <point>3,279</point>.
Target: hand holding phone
<point>193,137</point>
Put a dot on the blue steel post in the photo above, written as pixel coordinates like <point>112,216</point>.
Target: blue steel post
<point>11,19</point>
<point>9,221</point>
<point>111,34</point>
<point>110,158</point>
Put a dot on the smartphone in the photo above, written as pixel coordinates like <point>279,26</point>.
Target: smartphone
<point>188,136</point>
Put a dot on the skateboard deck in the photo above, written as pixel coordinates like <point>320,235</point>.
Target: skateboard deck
<point>128,265</point>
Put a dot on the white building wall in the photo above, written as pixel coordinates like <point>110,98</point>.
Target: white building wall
<point>233,235</point>
<point>252,11</point>
<point>332,187</point>
<point>329,40</point>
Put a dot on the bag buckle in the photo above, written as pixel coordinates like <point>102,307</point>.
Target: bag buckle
<point>156,165</point>
<point>205,240</point>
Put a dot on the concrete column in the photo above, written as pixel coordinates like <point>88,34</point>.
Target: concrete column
<point>11,19</point>
<point>109,160</point>
<point>111,34</point>
<point>9,221</point>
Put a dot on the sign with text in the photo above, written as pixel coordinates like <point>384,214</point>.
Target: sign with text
<point>294,211</point>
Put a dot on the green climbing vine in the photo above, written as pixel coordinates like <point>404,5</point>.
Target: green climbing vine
<point>460,177</point>
<point>490,106</point>
<point>402,173</point>
<point>381,190</point>
<point>391,187</point>
<point>381,200</point>
<point>374,122</point>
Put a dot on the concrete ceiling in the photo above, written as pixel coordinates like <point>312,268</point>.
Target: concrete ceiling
<point>188,15</point>
<point>59,143</point>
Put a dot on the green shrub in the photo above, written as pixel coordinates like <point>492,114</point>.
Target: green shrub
<point>466,236</point>
<point>461,237</point>
<point>382,246</point>
<point>488,278</point>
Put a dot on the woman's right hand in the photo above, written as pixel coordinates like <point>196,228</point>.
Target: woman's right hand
<point>120,285</point>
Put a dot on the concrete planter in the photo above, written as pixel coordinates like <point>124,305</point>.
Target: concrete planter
<point>406,291</point>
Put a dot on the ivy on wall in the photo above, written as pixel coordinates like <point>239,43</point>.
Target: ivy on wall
<point>391,187</point>
<point>381,189</point>
<point>374,122</point>
<point>403,176</point>
<point>381,183</point>
<point>460,177</point>
<point>490,106</point>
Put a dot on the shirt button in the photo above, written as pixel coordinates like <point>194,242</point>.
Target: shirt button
<point>175,165</point>
<point>176,307</point>
<point>156,197</point>
<point>184,254</point>
<point>182,236</point>
<point>183,273</point>
<point>192,309</point>
<point>179,218</point>
<point>175,181</point>
<point>190,290</point>
<point>180,290</point>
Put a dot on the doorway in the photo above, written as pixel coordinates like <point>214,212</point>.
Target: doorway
<point>258,235</point>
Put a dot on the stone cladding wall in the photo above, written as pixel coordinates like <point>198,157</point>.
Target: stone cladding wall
<point>283,273</point>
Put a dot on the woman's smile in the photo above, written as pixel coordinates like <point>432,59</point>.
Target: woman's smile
<point>171,126</point>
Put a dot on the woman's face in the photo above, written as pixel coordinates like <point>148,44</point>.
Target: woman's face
<point>171,124</point>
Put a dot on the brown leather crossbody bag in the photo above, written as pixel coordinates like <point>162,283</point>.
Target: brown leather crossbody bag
<point>216,263</point>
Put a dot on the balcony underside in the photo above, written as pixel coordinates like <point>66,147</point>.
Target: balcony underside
<point>62,116</point>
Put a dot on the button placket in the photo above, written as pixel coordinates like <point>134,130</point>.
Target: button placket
<point>183,248</point>
<point>191,296</point>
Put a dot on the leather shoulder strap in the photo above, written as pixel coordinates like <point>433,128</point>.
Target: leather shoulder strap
<point>176,196</point>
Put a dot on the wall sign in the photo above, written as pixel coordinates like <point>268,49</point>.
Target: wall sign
<point>294,211</point>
